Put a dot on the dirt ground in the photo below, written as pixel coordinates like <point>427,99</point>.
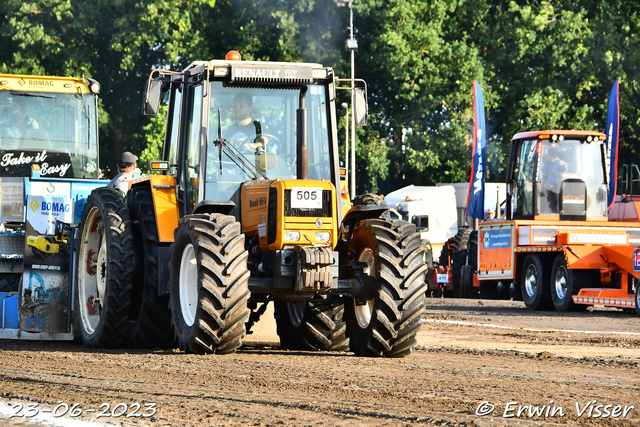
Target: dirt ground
<point>478,362</point>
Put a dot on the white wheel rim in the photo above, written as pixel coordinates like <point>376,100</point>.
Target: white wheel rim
<point>101,269</point>
<point>531,280</point>
<point>91,277</point>
<point>188,285</point>
<point>296,312</point>
<point>561,282</point>
<point>364,313</point>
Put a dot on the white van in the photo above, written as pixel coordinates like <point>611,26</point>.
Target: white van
<point>432,209</point>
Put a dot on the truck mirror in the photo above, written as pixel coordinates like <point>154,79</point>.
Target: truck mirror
<point>360,108</point>
<point>151,100</point>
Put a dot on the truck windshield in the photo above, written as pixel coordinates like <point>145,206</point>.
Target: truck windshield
<point>57,131</point>
<point>571,160</point>
<point>245,116</point>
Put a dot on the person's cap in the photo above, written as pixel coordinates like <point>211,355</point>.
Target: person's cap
<point>127,159</point>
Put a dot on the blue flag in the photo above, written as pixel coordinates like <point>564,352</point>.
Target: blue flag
<point>613,122</point>
<point>475,199</point>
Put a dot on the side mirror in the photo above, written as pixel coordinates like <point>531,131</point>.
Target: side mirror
<point>360,109</point>
<point>151,100</point>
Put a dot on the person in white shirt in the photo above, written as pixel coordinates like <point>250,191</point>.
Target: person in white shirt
<point>127,166</point>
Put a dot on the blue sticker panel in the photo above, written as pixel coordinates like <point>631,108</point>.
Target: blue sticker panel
<point>496,239</point>
<point>80,191</point>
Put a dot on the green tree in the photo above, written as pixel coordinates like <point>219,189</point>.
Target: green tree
<point>116,42</point>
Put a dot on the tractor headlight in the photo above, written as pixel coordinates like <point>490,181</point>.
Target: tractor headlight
<point>292,236</point>
<point>323,236</point>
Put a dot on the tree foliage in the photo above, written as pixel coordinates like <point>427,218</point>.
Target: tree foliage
<point>541,64</point>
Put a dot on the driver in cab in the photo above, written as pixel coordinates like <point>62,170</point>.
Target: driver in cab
<point>242,134</point>
<point>553,162</point>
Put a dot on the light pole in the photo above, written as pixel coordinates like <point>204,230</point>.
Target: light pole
<point>346,133</point>
<point>351,45</point>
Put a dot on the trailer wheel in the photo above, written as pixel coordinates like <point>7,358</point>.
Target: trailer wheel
<point>150,315</point>
<point>534,280</point>
<point>387,321</point>
<point>314,325</point>
<point>104,263</point>
<point>209,287</point>
<point>563,285</point>
<point>566,282</point>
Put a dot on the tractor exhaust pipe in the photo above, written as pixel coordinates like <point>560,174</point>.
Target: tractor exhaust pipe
<point>302,148</point>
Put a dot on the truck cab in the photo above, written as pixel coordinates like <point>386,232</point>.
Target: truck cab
<point>48,166</point>
<point>557,175</point>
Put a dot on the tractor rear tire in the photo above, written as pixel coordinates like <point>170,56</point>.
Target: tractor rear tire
<point>458,260</point>
<point>471,291</point>
<point>371,200</point>
<point>367,200</point>
<point>151,318</point>
<point>209,284</point>
<point>387,323</point>
<point>443,259</point>
<point>311,326</point>
<point>104,263</point>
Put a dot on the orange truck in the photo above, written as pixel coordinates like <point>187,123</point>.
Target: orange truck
<point>559,245</point>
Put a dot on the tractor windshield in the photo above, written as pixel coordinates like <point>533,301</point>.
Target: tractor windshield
<point>259,119</point>
<point>571,161</point>
<point>57,131</point>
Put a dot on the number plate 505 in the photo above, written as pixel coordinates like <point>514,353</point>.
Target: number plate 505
<point>306,198</point>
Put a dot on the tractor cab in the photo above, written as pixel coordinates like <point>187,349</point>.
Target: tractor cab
<point>557,175</point>
<point>51,122</point>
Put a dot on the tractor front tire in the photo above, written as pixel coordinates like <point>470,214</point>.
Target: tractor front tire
<point>209,284</point>
<point>104,263</point>
<point>386,324</point>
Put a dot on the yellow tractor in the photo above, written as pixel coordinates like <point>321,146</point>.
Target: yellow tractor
<point>249,210</point>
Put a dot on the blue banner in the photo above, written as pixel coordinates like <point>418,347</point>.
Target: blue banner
<point>475,199</point>
<point>613,122</point>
